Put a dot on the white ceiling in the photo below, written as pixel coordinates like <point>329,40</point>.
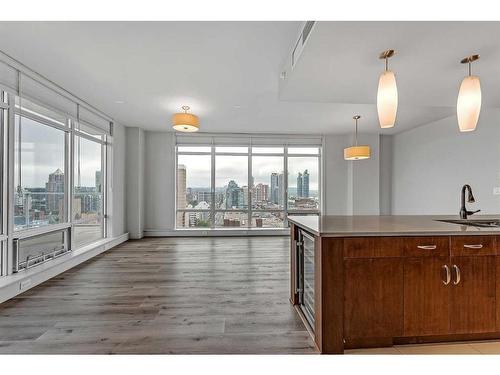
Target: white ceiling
<point>228,72</point>
<point>340,65</point>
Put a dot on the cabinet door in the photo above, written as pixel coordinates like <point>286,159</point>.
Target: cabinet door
<point>373,305</point>
<point>426,297</point>
<point>473,306</point>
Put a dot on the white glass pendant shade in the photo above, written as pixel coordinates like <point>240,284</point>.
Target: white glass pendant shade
<point>387,99</point>
<point>469,103</point>
<point>357,153</point>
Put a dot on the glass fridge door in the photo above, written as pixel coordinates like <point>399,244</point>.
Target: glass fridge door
<point>308,277</point>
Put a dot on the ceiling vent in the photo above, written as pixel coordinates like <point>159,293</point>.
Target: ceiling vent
<point>301,41</point>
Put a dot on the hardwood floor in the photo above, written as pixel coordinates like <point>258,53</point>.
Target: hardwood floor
<point>163,295</point>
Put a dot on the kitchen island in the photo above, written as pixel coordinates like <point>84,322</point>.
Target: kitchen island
<point>368,281</point>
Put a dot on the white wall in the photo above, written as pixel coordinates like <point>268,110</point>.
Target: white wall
<point>351,187</point>
<point>365,179</point>
<point>159,188</point>
<point>118,214</point>
<point>432,162</point>
<point>135,181</point>
<point>335,175</point>
<point>385,174</point>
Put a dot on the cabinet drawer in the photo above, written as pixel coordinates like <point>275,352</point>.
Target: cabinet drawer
<point>427,246</point>
<point>473,245</point>
<point>373,247</point>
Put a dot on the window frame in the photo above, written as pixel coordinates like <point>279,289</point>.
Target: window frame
<point>249,210</point>
<point>104,143</point>
<point>17,111</point>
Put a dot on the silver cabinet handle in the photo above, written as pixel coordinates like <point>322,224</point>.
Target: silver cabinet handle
<point>427,247</point>
<point>457,273</point>
<point>448,275</point>
<point>479,246</point>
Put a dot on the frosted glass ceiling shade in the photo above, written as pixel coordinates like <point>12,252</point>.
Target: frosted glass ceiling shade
<point>469,103</point>
<point>387,94</point>
<point>185,122</point>
<point>357,153</point>
<point>387,99</point>
<point>469,98</point>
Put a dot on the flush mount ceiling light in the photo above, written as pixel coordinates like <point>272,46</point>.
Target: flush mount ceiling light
<point>356,152</point>
<point>185,122</point>
<point>469,99</point>
<point>387,94</point>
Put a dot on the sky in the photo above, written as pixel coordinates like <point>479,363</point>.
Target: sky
<point>42,152</point>
<point>236,168</point>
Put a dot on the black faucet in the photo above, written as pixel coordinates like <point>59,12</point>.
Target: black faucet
<point>470,198</point>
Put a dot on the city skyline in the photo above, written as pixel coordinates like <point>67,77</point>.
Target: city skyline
<point>36,206</point>
<point>234,168</point>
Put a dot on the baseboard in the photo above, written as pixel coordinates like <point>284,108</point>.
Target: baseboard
<point>15,284</point>
<point>233,232</point>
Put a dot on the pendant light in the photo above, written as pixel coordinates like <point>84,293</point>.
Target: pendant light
<point>356,152</point>
<point>469,99</point>
<point>387,94</point>
<point>185,122</point>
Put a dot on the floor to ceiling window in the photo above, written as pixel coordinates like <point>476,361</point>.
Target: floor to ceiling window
<point>235,186</point>
<point>88,198</point>
<point>39,172</point>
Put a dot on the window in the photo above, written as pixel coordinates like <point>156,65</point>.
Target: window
<point>194,192</point>
<point>303,190</point>
<point>88,191</point>
<point>40,182</point>
<point>245,187</point>
<point>43,196</point>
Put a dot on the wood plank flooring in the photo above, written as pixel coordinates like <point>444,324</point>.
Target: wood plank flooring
<point>163,295</point>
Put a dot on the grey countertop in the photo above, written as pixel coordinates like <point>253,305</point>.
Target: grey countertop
<point>397,225</point>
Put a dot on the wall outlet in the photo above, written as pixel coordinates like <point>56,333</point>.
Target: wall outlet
<point>496,191</point>
<point>24,284</point>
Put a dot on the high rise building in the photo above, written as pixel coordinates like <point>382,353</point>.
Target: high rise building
<point>234,195</point>
<point>305,184</point>
<point>277,188</point>
<point>98,180</point>
<point>244,196</point>
<point>55,192</point>
<point>299,185</point>
<point>181,194</point>
<point>261,193</point>
<point>204,196</point>
<point>274,188</point>
<point>281,189</point>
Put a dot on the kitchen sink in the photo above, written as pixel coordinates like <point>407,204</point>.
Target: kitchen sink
<point>486,223</point>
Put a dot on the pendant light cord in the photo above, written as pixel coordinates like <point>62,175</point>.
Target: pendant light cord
<point>356,131</point>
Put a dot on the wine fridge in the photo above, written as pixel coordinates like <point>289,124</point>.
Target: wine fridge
<point>305,275</point>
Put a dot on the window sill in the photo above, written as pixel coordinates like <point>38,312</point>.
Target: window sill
<point>208,232</point>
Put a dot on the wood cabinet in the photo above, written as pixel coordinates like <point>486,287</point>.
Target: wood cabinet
<point>406,289</point>
<point>426,296</point>
<point>473,294</point>
<point>375,285</point>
